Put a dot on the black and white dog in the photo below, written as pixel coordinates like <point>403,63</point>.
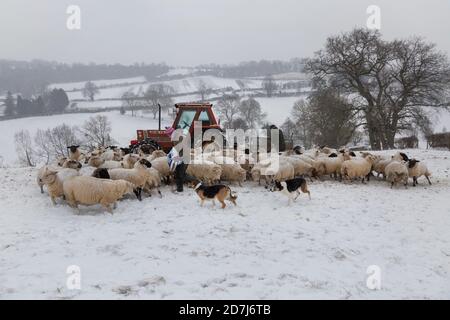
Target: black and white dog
<point>291,188</point>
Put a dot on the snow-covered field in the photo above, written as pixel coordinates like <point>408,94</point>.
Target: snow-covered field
<point>278,109</point>
<point>170,248</point>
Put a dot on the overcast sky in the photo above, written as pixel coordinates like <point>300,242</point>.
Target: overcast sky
<point>191,32</point>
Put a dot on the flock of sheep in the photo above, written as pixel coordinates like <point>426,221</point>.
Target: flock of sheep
<point>105,175</point>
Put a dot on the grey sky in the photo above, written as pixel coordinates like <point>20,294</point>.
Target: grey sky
<point>190,32</point>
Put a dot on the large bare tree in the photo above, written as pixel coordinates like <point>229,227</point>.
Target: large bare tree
<point>250,111</point>
<point>158,94</point>
<point>96,131</point>
<point>389,81</point>
<point>204,90</point>
<point>131,101</point>
<point>228,107</point>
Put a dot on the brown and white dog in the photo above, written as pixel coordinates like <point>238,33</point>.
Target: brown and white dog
<point>217,192</point>
<point>291,187</point>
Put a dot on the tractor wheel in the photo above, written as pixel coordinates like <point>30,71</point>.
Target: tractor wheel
<point>147,146</point>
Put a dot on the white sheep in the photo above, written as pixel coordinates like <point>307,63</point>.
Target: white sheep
<point>271,171</point>
<point>138,176</point>
<point>416,169</point>
<point>61,161</point>
<point>54,181</point>
<point>153,181</point>
<point>396,172</point>
<point>327,151</point>
<point>74,153</point>
<point>205,171</point>
<point>72,164</point>
<point>304,158</point>
<point>330,166</point>
<point>357,168</point>
<point>301,168</point>
<point>111,164</point>
<point>41,172</point>
<point>400,156</point>
<point>231,170</point>
<point>108,155</point>
<point>99,162</point>
<point>281,172</point>
<point>90,191</point>
<point>162,166</point>
<point>258,170</point>
<point>87,171</point>
<point>380,164</point>
<point>129,160</point>
<point>156,154</point>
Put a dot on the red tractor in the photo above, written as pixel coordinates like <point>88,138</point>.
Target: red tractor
<point>186,114</point>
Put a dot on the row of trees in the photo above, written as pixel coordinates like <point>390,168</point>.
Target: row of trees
<point>47,145</point>
<point>30,78</point>
<point>53,101</point>
<point>149,99</point>
<point>254,68</point>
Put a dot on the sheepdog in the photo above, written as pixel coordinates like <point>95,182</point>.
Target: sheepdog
<point>217,192</point>
<point>291,188</point>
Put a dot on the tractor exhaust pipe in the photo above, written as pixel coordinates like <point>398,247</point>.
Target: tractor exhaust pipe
<point>159,116</point>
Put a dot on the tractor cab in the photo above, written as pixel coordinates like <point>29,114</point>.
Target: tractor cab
<point>186,115</point>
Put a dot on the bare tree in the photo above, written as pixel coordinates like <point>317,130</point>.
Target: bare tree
<point>203,89</point>
<point>389,81</point>
<point>60,137</point>
<point>291,130</point>
<point>96,131</point>
<point>90,90</point>
<point>250,111</point>
<point>269,85</point>
<point>44,148</point>
<point>158,94</point>
<point>228,107</point>
<point>131,101</point>
<point>24,148</point>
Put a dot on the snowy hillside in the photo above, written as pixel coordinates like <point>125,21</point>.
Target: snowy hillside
<point>170,248</point>
<point>71,86</point>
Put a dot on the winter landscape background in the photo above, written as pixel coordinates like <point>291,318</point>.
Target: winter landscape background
<point>273,65</point>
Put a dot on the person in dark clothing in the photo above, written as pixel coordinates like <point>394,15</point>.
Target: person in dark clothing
<point>177,165</point>
<point>180,175</point>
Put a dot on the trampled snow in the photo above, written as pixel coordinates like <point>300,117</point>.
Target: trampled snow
<point>170,248</point>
